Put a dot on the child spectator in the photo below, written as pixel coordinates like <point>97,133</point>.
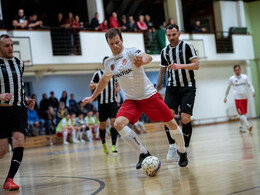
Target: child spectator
<point>64,128</point>
<point>82,125</point>
<point>61,112</point>
<point>104,26</point>
<point>33,123</point>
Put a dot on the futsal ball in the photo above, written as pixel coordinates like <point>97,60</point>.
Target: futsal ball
<point>151,166</point>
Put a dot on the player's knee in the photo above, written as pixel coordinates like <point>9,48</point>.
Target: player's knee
<point>185,120</point>
<point>118,125</point>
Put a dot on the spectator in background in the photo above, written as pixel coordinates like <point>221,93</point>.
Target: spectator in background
<point>163,25</point>
<point>64,97</point>
<point>75,23</point>
<point>50,121</point>
<point>44,104</point>
<point>149,32</point>
<point>61,112</point>
<point>20,20</point>
<point>33,22</point>
<point>113,21</point>
<point>141,25</point>
<point>72,104</point>
<point>60,21</point>
<point>197,28</point>
<point>2,24</point>
<point>35,105</point>
<point>82,109</point>
<point>64,127</point>
<point>53,101</point>
<point>82,125</point>
<point>171,21</point>
<point>69,20</point>
<point>34,124</point>
<point>104,26</point>
<point>122,23</point>
<point>94,24</point>
<point>130,24</point>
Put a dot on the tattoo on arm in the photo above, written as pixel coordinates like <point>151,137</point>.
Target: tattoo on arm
<point>161,78</point>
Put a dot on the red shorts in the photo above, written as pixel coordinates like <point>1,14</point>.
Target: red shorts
<point>154,107</point>
<point>241,106</point>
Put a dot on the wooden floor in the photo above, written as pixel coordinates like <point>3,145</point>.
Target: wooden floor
<point>223,161</point>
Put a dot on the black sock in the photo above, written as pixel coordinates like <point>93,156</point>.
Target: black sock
<point>187,131</point>
<point>114,134</point>
<point>102,135</point>
<point>171,141</point>
<point>16,161</point>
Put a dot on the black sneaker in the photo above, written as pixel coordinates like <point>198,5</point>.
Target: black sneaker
<point>183,162</point>
<point>141,158</point>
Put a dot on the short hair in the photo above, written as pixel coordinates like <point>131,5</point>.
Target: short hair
<point>235,66</point>
<point>112,33</point>
<point>172,26</point>
<point>105,58</point>
<point>6,36</point>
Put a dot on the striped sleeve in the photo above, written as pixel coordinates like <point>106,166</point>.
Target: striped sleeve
<point>163,60</point>
<point>95,78</point>
<point>190,52</point>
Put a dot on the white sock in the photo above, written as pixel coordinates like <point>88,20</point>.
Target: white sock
<point>178,137</point>
<point>80,135</point>
<point>244,119</point>
<point>97,133</point>
<point>65,135</point>
<point>130,137</point>
<point>73,135</point>
<point>172,145</point>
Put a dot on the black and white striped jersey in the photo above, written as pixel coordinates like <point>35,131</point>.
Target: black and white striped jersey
<point>181,54</point>
<point>108,95</point>
<point>11,81</point>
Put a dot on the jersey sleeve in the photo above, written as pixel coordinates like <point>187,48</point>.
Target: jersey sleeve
<point>163,60</point>
<point>107,69</point>
<point>134,51</point>
<point>190,52</point>
<point>249,84</point>
<point>95,78</point>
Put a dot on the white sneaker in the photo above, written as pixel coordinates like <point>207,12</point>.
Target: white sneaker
<point>82,141</point>
<point>66,143</point>
<point>188,151</point>
<point>242,130</point>
<point>76,141</point>
<point>172,153</point>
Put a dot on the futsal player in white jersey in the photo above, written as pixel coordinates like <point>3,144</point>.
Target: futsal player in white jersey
<point>240,83</point>
<point>125,65</point>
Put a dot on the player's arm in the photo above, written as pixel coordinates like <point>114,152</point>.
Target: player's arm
<point>100,87</point>
<point>142,59</point>
<point>117,88</point>
<point>251,87</point>
<point>161,77</point>
<point>193,65</point>
<point>93,86</point>
<point>227,90</point>
<point>6,96</point>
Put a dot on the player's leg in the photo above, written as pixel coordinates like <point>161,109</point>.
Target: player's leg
<point>241,106</point>
<point>157,110</point>
<point>186,106</point>
<point>103,116</point>
<point>113,131</point>
<point>65,135</point>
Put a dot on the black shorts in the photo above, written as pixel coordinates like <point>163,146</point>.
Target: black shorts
<point>13,119</point>
<point>180,96</point>
<point>107,111</point>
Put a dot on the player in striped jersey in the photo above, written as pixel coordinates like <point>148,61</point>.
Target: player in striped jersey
<point>181,60</point>
<point>240,83</point>
<point>13,108</point>
<point>107,107</point>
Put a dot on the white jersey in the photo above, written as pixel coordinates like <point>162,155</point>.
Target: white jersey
<point>132,80</point>
<point>240,85</point>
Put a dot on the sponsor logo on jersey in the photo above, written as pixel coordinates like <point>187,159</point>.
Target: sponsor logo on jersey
<point>124,62</point>
<point>112,67</point>
<point>125,72</point>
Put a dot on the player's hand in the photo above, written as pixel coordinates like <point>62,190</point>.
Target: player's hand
<point>30,103</point>
<point>253,94</point>
<point>87,100</point>
<point>174,66</point>
<point>138,61</point>
<point>225,100</point>
<point>6,96</point>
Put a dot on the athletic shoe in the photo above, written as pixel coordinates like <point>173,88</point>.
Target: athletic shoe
<point>113,149</point>
<point>172,153</point>
<point>82,141</point>
<point>10,185</point>
<point>76,141</point>
<point>105,148</point>
<point>242,130</point>
<point>141,158</point>
<point>66,143</point>
<point>183,162</point>
<point>249,128</point>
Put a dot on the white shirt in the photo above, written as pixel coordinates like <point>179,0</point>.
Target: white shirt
<point>240,85</point>
<point>132,80</point>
